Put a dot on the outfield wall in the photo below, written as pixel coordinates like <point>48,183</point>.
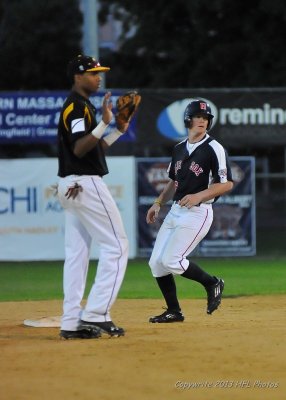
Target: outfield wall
<point>32,219</point>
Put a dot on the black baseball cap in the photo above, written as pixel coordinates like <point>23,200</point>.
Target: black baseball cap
<point>81,64</point>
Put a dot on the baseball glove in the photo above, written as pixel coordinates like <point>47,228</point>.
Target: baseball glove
<point>127,105</point>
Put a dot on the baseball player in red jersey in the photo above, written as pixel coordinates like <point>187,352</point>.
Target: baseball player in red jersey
<point>199,173</point>
<point>91,213</point>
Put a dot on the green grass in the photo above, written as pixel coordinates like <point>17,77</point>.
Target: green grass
<point>243,276</point>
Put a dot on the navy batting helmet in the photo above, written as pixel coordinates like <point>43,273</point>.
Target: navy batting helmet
<point>197,107</point>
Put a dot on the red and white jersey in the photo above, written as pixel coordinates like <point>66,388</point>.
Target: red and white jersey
<point>194,167</point>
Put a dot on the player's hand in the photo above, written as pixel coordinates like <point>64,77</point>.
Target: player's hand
<point>152,213</point>
<point>190,200</point>
<point>107,114</point>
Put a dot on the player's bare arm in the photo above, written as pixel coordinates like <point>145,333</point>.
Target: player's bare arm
<point>216,189</point>
<point>166,195</point>
<point>84,145</point>
<point>88,142</point>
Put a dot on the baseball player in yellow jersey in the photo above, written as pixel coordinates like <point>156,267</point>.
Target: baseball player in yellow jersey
<point>91,214</point>
<point>199,173</point>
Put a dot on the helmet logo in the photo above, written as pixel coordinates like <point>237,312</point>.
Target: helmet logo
<point>203,106</point>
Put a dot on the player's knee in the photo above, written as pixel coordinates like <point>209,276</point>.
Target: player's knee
<point>161,262</point>
<point>124,245</point>
<point>123,248</point>
<point>156,268</point>
<point>170,262</point>
<point>166,259</point>
<point>117,248</point>
<point>154,263</point>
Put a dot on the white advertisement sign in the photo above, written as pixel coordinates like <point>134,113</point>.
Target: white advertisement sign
<point>32,219</point>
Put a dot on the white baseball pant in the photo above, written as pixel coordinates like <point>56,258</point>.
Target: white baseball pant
<point>92,216</point>
<point>180,233</point>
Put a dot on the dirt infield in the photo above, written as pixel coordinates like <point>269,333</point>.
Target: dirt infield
<point>236,353</point>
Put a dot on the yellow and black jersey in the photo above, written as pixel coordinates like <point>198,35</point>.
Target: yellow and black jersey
<point>78,119</point>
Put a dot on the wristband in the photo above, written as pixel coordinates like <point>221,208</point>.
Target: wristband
<point>157,201</point>
<point>99,130</point>
<point>112,137</point>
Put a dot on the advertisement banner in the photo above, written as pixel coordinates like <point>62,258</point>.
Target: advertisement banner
<point>241,117</point>
<point>31,217</point>
<point>32,117</point>
<point>233,232</point>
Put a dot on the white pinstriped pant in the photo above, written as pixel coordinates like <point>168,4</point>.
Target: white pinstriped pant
<point>180,232</point>
<point>91,216</point>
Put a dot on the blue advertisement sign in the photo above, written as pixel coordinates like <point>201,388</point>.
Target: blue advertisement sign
<point>32,117</point>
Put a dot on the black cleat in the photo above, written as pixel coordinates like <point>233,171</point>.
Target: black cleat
<point>104,327</point>
<point>214,295</point>
<point>81,334</point>
<point>167,317</point>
